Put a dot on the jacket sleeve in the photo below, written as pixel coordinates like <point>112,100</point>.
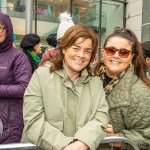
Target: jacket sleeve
<point>37,129</point>
<point>92,133</point>
<point>21,71</point>
<point>139,114</point>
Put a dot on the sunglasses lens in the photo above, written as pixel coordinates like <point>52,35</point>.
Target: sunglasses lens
<point>109,51</point>
<point>124,53</point>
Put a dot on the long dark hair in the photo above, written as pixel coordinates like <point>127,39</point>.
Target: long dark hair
<point>138,60</point>
<point>69,39</point>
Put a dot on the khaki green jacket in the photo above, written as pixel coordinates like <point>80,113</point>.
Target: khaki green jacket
<point>56,111</point>
<point>129,109</point>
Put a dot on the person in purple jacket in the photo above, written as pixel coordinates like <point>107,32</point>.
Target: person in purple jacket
<point>15,73</point>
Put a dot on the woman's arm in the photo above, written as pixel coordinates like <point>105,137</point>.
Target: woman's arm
<point>21,75</point>
<point>37,129</point>
<point>92,132</point>
<point>136,119</point>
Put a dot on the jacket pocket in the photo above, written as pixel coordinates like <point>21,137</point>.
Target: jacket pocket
<point>1,128</point>
<point>57,124</point>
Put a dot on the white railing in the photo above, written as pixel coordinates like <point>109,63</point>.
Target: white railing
<point>29,146</point>
<point>112,139</point>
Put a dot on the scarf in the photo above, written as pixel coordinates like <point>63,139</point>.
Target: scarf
<point>35,57</point>
<point>109,87</point>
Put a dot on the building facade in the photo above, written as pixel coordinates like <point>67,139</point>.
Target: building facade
<point>138,18</point>
<point>101,15</point>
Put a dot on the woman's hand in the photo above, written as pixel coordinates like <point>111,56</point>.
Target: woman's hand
<point>110,132</point>
<point>77,145</point>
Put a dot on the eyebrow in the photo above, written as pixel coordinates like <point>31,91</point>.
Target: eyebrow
<point>2,23</point>
<point>81,47</point>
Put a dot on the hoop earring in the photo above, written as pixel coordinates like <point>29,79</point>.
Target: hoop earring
<point>102,60</point>
<point>130,65</point>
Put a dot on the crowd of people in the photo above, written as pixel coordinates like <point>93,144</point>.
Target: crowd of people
<point>65,101</point>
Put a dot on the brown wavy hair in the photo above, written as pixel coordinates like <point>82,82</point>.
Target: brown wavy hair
<point>138,60</point>
<point>69,39</point>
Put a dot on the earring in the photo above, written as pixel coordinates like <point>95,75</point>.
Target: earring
<point>130,65</point>
<point>102,60</point>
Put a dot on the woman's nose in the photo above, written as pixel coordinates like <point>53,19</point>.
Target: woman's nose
<point>116,55</point>
<point>81,53</point>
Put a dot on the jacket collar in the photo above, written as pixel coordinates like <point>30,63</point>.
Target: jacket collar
<point>84,78</point>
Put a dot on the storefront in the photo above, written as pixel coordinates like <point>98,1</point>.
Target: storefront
<point>101,15</point>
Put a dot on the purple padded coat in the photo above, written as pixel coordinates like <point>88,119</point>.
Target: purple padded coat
<point>15,73</point>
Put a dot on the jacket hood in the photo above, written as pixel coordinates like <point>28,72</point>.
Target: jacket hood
<point>7,43</point>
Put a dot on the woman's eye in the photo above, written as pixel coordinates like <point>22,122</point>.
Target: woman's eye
<point>88,51</point>
<point>76,49</point>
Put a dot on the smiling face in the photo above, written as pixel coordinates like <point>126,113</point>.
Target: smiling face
<point>38,49</point>
<point>116,64</point>
<point>2,33</point>
<point>78,56</point>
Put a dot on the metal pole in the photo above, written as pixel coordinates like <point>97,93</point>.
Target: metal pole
<point>119,1</point>
<point>112,139</point>
<point>100,26</point>
<point>28,16</point>
<point>124,14</point>
<point>35,16</point>
<point>29,146</point>
<point>70,7</point>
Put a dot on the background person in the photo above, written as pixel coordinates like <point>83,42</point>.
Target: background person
<point>146,52</point>
<point>55,115</point>
<point>65,23</point>
<point>127,89</point>
<point>51,50</point>
<point>32,48</point>
<point>15,73</point>
<point>54,40</point>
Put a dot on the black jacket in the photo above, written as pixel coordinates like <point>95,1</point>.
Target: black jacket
<point>32,62</point>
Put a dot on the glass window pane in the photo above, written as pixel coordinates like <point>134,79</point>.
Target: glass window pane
<point>88,12</point>
<point>113,15</point>
<point>83,11</point>
<point>146,22</point>
<point>47,15</point>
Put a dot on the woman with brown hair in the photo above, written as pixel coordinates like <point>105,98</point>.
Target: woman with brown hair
<point>122,70</point>
<point>64,106</point>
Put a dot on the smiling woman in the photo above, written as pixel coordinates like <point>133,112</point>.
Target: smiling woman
<point>118,60</point>
<point>57,95</point>
<point>122,70</point>
<point>2,31</point>
<point>77,57</point>
<point>15,73</point>
<point>2,28</point>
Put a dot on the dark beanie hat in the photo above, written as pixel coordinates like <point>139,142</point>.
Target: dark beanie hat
<point>29,40</point>
<point>52,40</point>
